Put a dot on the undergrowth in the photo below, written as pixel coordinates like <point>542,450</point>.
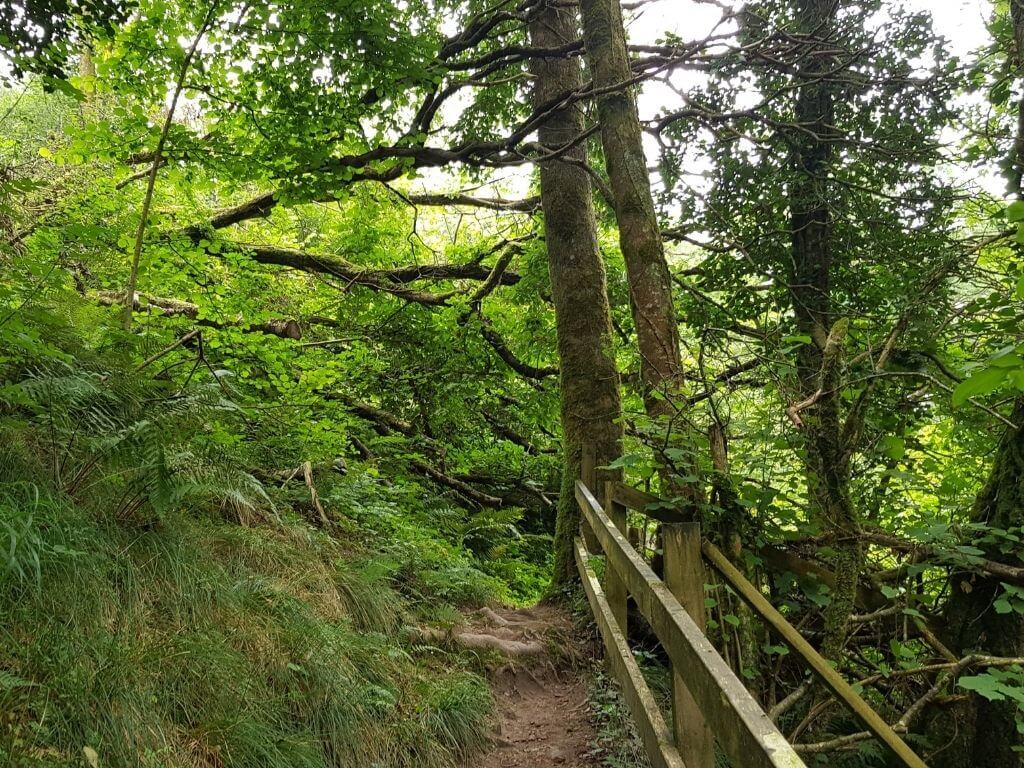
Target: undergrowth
<point>159,606</point>
<point>618,744</point>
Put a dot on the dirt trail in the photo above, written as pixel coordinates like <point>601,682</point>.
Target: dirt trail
<point>543,719</point>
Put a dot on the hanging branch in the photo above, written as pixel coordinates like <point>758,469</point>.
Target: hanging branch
<point>168,349</point>
<point>158,159</point>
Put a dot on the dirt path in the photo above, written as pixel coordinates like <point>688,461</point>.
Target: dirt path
<point>542,707</point>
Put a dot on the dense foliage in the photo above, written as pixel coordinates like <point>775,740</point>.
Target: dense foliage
<point>282,376</point>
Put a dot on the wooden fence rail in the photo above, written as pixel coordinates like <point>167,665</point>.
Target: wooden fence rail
<point>741,728</point>
<point>824,671</point>
<point>654,732</point>
<point>710,704</point>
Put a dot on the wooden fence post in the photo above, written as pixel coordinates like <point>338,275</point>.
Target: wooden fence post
<point>588,474</point>
<point>684,576</point>
<point>614,584</point>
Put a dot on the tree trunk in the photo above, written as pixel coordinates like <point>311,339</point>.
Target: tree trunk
<point>650,285</point>
<point>828,468</point>
<point>978,731</point>
<point>591,406</point>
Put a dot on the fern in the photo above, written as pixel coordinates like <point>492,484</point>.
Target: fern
<point>132,442</point>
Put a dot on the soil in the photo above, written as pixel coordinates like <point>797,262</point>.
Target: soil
<point>542,706</point>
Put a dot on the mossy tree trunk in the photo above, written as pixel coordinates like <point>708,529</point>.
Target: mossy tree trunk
<point>650,284</point>
<point>591,406</point>
<point>818,369</point>
<point>980,732</point>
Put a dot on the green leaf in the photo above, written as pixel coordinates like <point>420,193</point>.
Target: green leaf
<point>984,685</point>
<point>1015,211</point>
<point>1009,360</point>
<point>894,447</point>
<point>966,549</point>
<point>625,461</point>
<point>980,383</point>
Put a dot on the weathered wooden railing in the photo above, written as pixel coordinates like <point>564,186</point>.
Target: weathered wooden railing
<point>709,703</point>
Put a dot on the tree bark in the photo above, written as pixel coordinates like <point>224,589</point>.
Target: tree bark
<point>650,284</point>
<point>978,731</point>
<point>591,406</point>
<point>818,370</point>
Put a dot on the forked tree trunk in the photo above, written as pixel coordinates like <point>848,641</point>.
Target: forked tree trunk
<point>650,284</point>
<point>591,406</point>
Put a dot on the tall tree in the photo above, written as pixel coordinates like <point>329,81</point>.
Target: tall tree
<point>591,406</point>
<point>650,283</point>
<point>810,280</point>
<point>825,211</point>
<point>980,731</point>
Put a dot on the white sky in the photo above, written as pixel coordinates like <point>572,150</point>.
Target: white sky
<point>961,22</point>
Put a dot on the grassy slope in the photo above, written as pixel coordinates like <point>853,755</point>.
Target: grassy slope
<point>157,609</point>
<point>202,642</point>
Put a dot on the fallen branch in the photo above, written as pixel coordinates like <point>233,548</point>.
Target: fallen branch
<point>284,328</point>
<point>471,493</point>
<point>952,672</point>
<point>387,423</point>
<point>791,700</point>
<point>307,475</point>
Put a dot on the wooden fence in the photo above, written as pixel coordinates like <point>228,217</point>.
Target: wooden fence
<point>710,705</point>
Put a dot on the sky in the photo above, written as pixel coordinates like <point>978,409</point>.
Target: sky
<point>962,22</point>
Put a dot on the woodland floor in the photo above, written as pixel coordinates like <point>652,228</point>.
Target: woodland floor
<point>541,700</point>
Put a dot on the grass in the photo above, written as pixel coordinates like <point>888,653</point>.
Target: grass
<point>184,638</point>
<point>199,642</point>
<point>159,607</point>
